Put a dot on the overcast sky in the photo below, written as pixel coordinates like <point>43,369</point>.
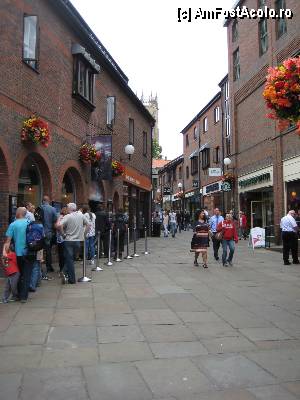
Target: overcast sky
<point>181,62</point>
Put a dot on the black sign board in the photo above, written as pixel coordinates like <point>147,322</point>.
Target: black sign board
<point>167,191</point>
<point>195,184</point>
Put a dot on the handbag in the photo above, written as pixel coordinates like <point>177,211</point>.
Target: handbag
<point>219,236</point>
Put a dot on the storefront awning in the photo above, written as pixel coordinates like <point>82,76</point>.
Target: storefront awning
<point>204,146</point>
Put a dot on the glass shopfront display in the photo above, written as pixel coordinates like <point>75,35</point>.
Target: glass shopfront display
<point>258,206</point>
<point>293,195</point>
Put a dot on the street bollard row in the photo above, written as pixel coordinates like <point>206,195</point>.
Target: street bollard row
<point>84,278</point>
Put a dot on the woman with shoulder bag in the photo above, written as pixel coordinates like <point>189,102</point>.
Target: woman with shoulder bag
<point>227,229</point>
<point>200,240</point>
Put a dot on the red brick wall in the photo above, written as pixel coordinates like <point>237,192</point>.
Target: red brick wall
<point>49,94</point>
<point>256,140</point>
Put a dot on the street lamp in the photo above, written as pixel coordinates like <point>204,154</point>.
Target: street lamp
<point>180,190</point>
<point>227,162</point>
<point>179,186</point>
<point>129,150</point>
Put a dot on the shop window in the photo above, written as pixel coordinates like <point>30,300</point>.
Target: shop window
<point>217,114</point>
<point>169,176</point>
<point>194,165</point>
<point>145,143</point>
<point>263,36</point>
<point>235,33</point>
<point>205,158</point>
<point>236,65</point>
<point>84,81</point>
<point>186,140</point>
<point>30,183</point>
<point>180,173</point>
<point>205,125</point>
<point>30,41</point>
<point>187,172</point>
<point>281,25</point>
<point>293,195</point>
<point>195,133</point>
<point>216,155</point>
<point>110,111</point>
<point>131,131</point>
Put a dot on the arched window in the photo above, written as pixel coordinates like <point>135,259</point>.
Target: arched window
<point>30,187</point>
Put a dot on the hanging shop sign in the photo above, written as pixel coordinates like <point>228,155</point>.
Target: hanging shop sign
<point>195,183</point>
<point>226,186</point>
<point>214,171</point>
<point>189,194</point>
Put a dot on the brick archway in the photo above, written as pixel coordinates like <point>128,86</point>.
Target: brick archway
<point>74,170</point>
<point>44,165</point>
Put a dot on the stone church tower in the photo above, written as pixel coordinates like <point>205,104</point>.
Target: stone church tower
<point>152,106</point>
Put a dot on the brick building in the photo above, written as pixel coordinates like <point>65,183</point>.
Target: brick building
<point>265,161</point>
<point>171,184</point>
<point>204,151</point>
<point>53,65</point>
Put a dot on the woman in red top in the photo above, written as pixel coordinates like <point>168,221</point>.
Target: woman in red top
<point>229,237</point>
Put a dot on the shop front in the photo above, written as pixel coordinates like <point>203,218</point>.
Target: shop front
<point>291,176</point>
<point>137,198</point>
<point>256,197</point>
<point>212,196</point>
<point>192,202</point>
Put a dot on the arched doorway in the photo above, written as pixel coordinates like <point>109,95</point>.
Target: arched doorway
<point>30,185</point>
<point>72,187</point>
<point>116,202</point>
<point>68,191</point>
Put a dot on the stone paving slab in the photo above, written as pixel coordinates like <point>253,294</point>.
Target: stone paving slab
<point>173,377</point>
<point>142,325</point>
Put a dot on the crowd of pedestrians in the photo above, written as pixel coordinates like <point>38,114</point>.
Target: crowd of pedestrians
<point>31,236</point>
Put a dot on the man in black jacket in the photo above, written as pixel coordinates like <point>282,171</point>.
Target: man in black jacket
<point>103,226</point>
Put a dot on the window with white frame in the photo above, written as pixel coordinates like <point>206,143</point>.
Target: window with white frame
<point>205,125</point>
<point>110,110</point>
<point>217,114</point>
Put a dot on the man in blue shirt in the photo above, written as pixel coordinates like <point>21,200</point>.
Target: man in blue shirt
<point>213,222</point>
<point>17,232</point>
<point>49,220</point>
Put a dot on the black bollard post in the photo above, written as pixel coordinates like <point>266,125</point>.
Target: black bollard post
<point>118,259</point>
<point>109,263</point>
<point>84,278</point>
<point>146,252</point>
<point>134,243</point>
<point>128,257</point>
<point>98,268</point>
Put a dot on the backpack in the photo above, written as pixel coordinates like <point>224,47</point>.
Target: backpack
<point>39,215</point>
<point>35,236</point>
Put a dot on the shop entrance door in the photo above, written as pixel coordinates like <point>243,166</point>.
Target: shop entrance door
<point>257,214</point>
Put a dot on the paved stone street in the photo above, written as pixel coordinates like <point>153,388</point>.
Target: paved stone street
<point>157,327</point>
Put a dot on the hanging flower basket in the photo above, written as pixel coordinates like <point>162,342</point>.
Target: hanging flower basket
<point>282,93</point>
<point>35,130</point>
<point>228,177</point>
<point>89,154</point>
<point>117,168</point>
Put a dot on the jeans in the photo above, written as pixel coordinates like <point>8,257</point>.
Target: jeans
<point>90,247</point>
<point>11,287</point>
<point>173,228</point>
<point>61,256</point>
<point>70,251</point>
<point>25,264</point>
<point>35,274</point>
<point>166,232</point>
<point>225,244</point>
<point>48,247</point>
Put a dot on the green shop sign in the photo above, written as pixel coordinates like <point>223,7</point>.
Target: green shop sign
<point>255,180</point>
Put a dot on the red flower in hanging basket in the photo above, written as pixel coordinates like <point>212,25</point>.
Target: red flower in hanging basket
<point>282,93</point>
<point>89,154</point>
<point>35,130</point>
<point>117,168</point>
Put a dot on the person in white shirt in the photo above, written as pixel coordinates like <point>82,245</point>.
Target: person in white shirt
<point>173,222</point>
<point>90,234</point>
<point>289,229</point>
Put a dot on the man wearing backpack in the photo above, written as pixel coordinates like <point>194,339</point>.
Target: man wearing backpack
<point>49,221</point>
<point>16,232</point>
